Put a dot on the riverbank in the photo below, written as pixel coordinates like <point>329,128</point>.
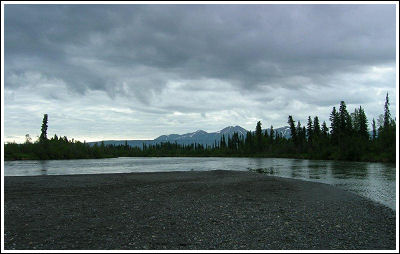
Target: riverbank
<point>190,210</point>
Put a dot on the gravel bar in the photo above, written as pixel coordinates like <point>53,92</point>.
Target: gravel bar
<point>193,210</point>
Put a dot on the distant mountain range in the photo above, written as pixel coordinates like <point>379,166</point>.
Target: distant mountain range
<point>199,137</point>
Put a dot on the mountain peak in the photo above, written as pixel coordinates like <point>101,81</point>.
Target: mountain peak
<point>200,136</point>
<point>196,133</point>
<point>233,129</point>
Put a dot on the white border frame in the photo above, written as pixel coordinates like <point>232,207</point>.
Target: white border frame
<point>197,2</point>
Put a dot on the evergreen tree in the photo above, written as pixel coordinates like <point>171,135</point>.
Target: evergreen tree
<point>334,118</point>
<point>43,135</point>
<point>259,136</point>
<point>355,120</point>
<point>386,115</point>
<point>325,129</point>
<point>235,141</point>
<point>373,129</point>
<point>309,129</point>
<point>271,134</point>
<point>299,131</point>
<point>316,127</point>
<point>266,136</point>
<point>345,125</point>
<point>300,135</point>
<point>362,124</point>
<point>292,129</point>
<point>387,133</point>
<point>249,142</point>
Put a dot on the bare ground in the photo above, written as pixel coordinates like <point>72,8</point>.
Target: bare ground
<point>190,210</point>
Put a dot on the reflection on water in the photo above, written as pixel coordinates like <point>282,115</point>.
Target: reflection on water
<point>341,169</point>
<point>44,166</point>
<point>316,171</point>
<point>296,168</point>
<point>376,181</point>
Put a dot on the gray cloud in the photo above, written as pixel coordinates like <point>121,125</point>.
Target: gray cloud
<point>243,53</point>
<point>253,44</point>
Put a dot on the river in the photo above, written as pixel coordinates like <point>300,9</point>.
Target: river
<point>376,181</point>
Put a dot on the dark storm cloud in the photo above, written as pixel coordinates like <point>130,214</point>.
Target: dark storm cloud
<point>187,67</point>
<point>248,45</point>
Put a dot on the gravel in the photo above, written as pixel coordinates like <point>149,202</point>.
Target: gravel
<point>225,210</point>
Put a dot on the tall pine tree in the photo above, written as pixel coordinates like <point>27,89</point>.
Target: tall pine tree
<point>292,129</point>
<point>43,135</point>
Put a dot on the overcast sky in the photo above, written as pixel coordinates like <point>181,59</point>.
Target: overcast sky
<point>140,71</point>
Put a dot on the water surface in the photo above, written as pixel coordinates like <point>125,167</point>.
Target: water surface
<point>376,181</point>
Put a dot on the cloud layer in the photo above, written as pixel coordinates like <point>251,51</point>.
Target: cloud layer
<point>139,71</point>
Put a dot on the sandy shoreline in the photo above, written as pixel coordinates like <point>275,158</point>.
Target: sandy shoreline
<point>190,210</point>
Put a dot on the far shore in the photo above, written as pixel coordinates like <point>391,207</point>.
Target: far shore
<point>299,157</point>
<point>190,210</point>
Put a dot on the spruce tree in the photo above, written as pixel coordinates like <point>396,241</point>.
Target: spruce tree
<point>324,129</point>
<point>355,116</point>
<point>316,127</point>
<point>266,135</point>
<point>362,124</point>
<point>310,130</point>
<point>43,135</point>
<point>271,134</point>
<point>334,118</point>
<point>249,143</point>
<point>373,129</point>
<point>386,115</point>
<point>299,130</point>
<point>292,129</point>
<point>344,119</point>
<point>258,136</point>
<point>300,135</point>
<point>387,133</point>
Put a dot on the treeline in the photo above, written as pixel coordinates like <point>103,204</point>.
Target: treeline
<point>347,138</point>
<point>51,149</point>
